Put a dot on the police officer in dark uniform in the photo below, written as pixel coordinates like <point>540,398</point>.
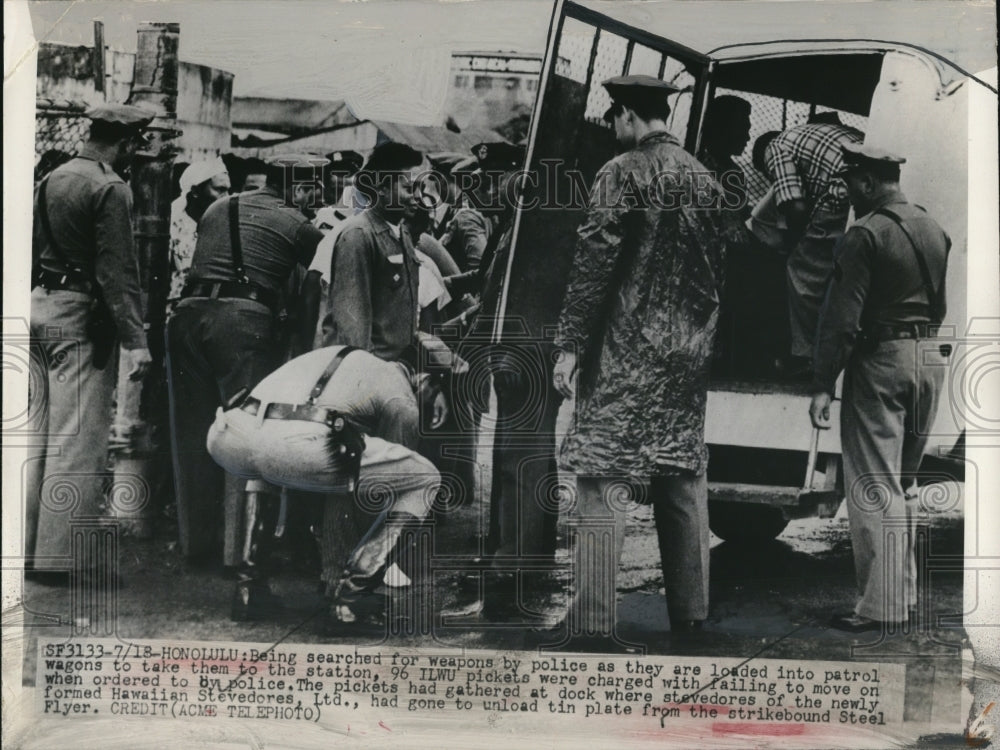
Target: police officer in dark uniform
<point>224,335</point>
<point>885,302</point>
<point>522,525</point>
<point>85,294</point>
<point>468,229</point>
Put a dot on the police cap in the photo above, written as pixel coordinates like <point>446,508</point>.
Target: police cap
<point>445,161</point>
<point>467,164</point>
<point>345,161</point>
<point>124,116</point>
<point>862,156</point>
<point>629,90</point>
<point>303,167</point>
<point>499,155</point>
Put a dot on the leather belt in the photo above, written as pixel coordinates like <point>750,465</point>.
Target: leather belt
<point>896,331</point>
<point>232,290</point>
<point>304,412</point>
<point>346,440</point>
<point>56,280</point>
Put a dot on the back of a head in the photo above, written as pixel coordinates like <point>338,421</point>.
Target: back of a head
<point>724,109</point>
<point>285,171</point>
<point>887,174</point>
<point>760,148</point>
<point>648,106</point>
<point>252,166</point>
<point>392,157</point>
<point>110,133</point>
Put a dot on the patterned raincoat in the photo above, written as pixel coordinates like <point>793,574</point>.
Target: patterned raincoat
<point>641,311</point>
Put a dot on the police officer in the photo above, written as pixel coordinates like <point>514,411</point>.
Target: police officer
<point>885,301</point>
<point>524,467</point>
<point>224,335</point>
<point>85,294</point>
<point>335,420</point>
<point>468,230</point>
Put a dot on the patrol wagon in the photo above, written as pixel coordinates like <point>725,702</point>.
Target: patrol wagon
<point>767,464</point>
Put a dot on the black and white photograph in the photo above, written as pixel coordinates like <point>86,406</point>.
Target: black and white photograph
<point>423,373</point>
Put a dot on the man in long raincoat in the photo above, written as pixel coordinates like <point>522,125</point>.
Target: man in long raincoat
<point>636,335</point>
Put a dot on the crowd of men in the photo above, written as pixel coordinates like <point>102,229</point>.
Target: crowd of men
<point>302,362</point>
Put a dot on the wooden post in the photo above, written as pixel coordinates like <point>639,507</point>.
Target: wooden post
<point>100,82</point>
<point>141,430</point>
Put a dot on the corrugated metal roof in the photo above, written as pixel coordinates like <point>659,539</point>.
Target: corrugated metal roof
<point>365,135</point>
<point>290,116</point>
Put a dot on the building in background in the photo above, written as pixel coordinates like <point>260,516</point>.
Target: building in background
<point>494,90</point>
<point>66,88</point>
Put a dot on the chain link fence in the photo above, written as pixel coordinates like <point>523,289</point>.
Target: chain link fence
<point>60,131</point>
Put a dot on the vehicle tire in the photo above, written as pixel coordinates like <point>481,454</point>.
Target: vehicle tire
<point>744,523</point>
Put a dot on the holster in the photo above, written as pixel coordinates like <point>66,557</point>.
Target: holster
<point>102,332</point>
<point>866,342</point>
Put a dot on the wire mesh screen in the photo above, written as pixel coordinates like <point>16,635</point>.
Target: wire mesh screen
<point>608,63</point>
<point>574,50</point>
<point>645,61</point>
<point>59,133</point>
<point>614,55</point>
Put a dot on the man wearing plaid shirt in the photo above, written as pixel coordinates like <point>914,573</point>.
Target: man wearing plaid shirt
<point>804,161</point>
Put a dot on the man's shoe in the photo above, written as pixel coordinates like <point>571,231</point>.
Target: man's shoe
<point>686,626</point>
<point>356,616</point>
<point>58,578</point>
<point>556,638</point>
<point>253,600</point>
<point>855,623</point>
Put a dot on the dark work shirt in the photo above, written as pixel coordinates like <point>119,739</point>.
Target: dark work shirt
<point>90,214</point>
<point>274,237</point>
<point>877,282</point>
<point>373,288</point>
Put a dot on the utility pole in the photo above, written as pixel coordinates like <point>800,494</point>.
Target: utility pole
<point>142,466</point>
<point>100,54</point>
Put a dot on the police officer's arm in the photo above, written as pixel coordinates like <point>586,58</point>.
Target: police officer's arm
<point>840,318</point>
<point>312,293</point>
<point>437,252</point>
<point>599,245</point>
<point>116,269</point>
<point>474,233</point>
<point>307,238</point>
<point>789,193</point>
<point>350,304</point>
